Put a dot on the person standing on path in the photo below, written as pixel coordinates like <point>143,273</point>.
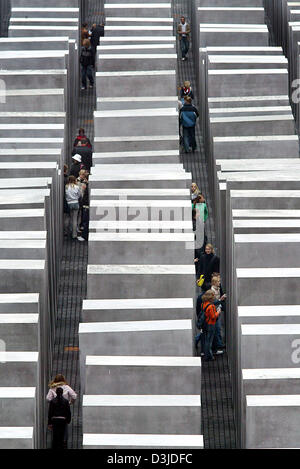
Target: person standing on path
<point>187,117</point>
<point>59,415</point>
<point>87,61</point>
<point>184,31</point>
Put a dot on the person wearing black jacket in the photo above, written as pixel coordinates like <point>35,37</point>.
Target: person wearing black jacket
<point>97,32</point>
<point>207,264</point>
<point>59,415</point>
<point>87,61</point>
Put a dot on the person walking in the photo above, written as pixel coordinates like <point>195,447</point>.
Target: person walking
<point>186,90</point>
<point>187,117</point>
<point>87,61</point>
<point>76,165</point>
<point>208,264</point>
<point>184,31</point>
<point>211,316</point>
<point>73,195</point>
<point>59,416</point>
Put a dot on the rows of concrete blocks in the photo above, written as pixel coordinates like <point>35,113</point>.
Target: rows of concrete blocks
<point>253,157</point>
<point>139,376</point>
<point>38,95</point>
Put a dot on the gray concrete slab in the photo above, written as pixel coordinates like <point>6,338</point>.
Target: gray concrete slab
<point>159,9</point>
<point>271,146</point>
<point>19,368</point>
<point>16,438</point>
<point>136,143</point>
<point>133,441</point>
<point>137,157</point>
<point>104,104</point>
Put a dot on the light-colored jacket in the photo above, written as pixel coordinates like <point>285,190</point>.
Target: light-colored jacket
<point>73,193</point>
<point>187,31</point>
<point>68,392</point>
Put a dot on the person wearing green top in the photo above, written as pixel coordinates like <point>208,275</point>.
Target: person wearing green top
<point>200,204</point>
<point>200,214</point>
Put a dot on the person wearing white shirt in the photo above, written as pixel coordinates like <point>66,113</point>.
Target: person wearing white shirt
<point>184,31</point>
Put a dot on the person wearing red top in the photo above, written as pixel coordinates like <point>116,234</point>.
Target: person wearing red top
<point>211,316</point>
<point>81,137</point>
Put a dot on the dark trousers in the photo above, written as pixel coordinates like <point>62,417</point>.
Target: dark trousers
<point>184,43</point>
<point>59,426</point>
<point>87,72</point>
<point>209,333</point>
<point>85,220</point>
<point>189,139</point>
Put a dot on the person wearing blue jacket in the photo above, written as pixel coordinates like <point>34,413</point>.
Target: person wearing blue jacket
<point>188,116</point>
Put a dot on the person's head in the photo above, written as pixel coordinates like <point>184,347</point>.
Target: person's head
<point>59,392</point>
<point>187,84</point>
<point>82,174</point>
<point>215,281</point>
<point>59,379</point>
<point>200,198</point>
<point>209,249</point>
<point>86,43</point>
<point>84,25</point>
<point>72,180</point>
<point>208,296</point>
<point>182,19</point>
<point>94,26</point>
<point>81,131</point>
<point>76,159</point>
<point>187,100</point>
<point>194,187</point>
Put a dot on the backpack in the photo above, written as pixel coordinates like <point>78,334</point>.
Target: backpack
<point>201,317</point>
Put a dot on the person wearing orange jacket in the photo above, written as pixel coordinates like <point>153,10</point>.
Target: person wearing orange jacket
<point>211,316</point>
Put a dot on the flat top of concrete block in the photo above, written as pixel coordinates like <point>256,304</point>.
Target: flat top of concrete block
<point>145,400</point>
<point>16,392</point>
<point>32,114</point>
<point>139,237</point>
<point>268,273</point>
<point>267,238</point>
<point>137,269</point>
<point>17,357</point>
<point>265,193</point>
<point>30,151</point>
<point>136,5</point>
<point>135,47</point>
<point>280,117</point>
<point>44,10</point>
<point>93,360</point>
<point>139,28</point>
<point>32,140</point>
<point>137,138</point>
<point>12,298</point>
<point>32,54</point>
<point>9,183</point>
<point>246,99</point>
<point>20,213</point>
<point>28,164</point>
<point>145,303</point>
<point>263,223</point>
<point>138,38</point>
<point>266,213</point>
<point>133,440</point>
<point>285,400</point>
<point>22,264</point>
<point>256,138</point>
<point>139,19</point>
<point>241,49</point>
<point>12,433</point>
<point>250,71</point>
<point>137,56</point>
<point>232,164</point>
<point>38,92</point>
<point>270,329</point>
<point>271,373</point>
<point>141,224</point>
<point>263,175</point>
<point>13,235</point>
<point>146,176</point>
<point>32,126</point>
<point>135,326</point>
<point>136,73</point>
<point>139,167</point>
<point>44,20</point>
<point>247,59</point>
<point>142,192</point>
<point>137,99</point>
<point>231,28</point>
<point>276,310</point>
<point>240,26</point>
<point>34,72</point>
<point>49,28</point>
<point>35,39</point>
<point>25,244</point>
<point>249,109</point>
<point>141,203</point>
<point>14,318</point>
<point>155,112</point>
<point>137,153</point>
<point>22,194</point>
<point>231,8</point>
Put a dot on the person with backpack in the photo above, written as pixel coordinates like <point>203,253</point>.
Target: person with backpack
<point>59,415</point>
<point>87,61</point>
<point>188,116</point>
<point>186,90</point>
<point>207,320</point>
<point>73,195</point>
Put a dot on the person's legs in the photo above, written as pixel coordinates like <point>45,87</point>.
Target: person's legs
<point>58,433</point>
<point>183,47</point>
<point>73,219</point>
<point>85,223</point>
<point>217,341</point>
<point>90,75</point>
<point>208,340</point>
<point>192,138</point>
<point>186,139</point>
<point>66,434</point>
<point>83,76</point>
